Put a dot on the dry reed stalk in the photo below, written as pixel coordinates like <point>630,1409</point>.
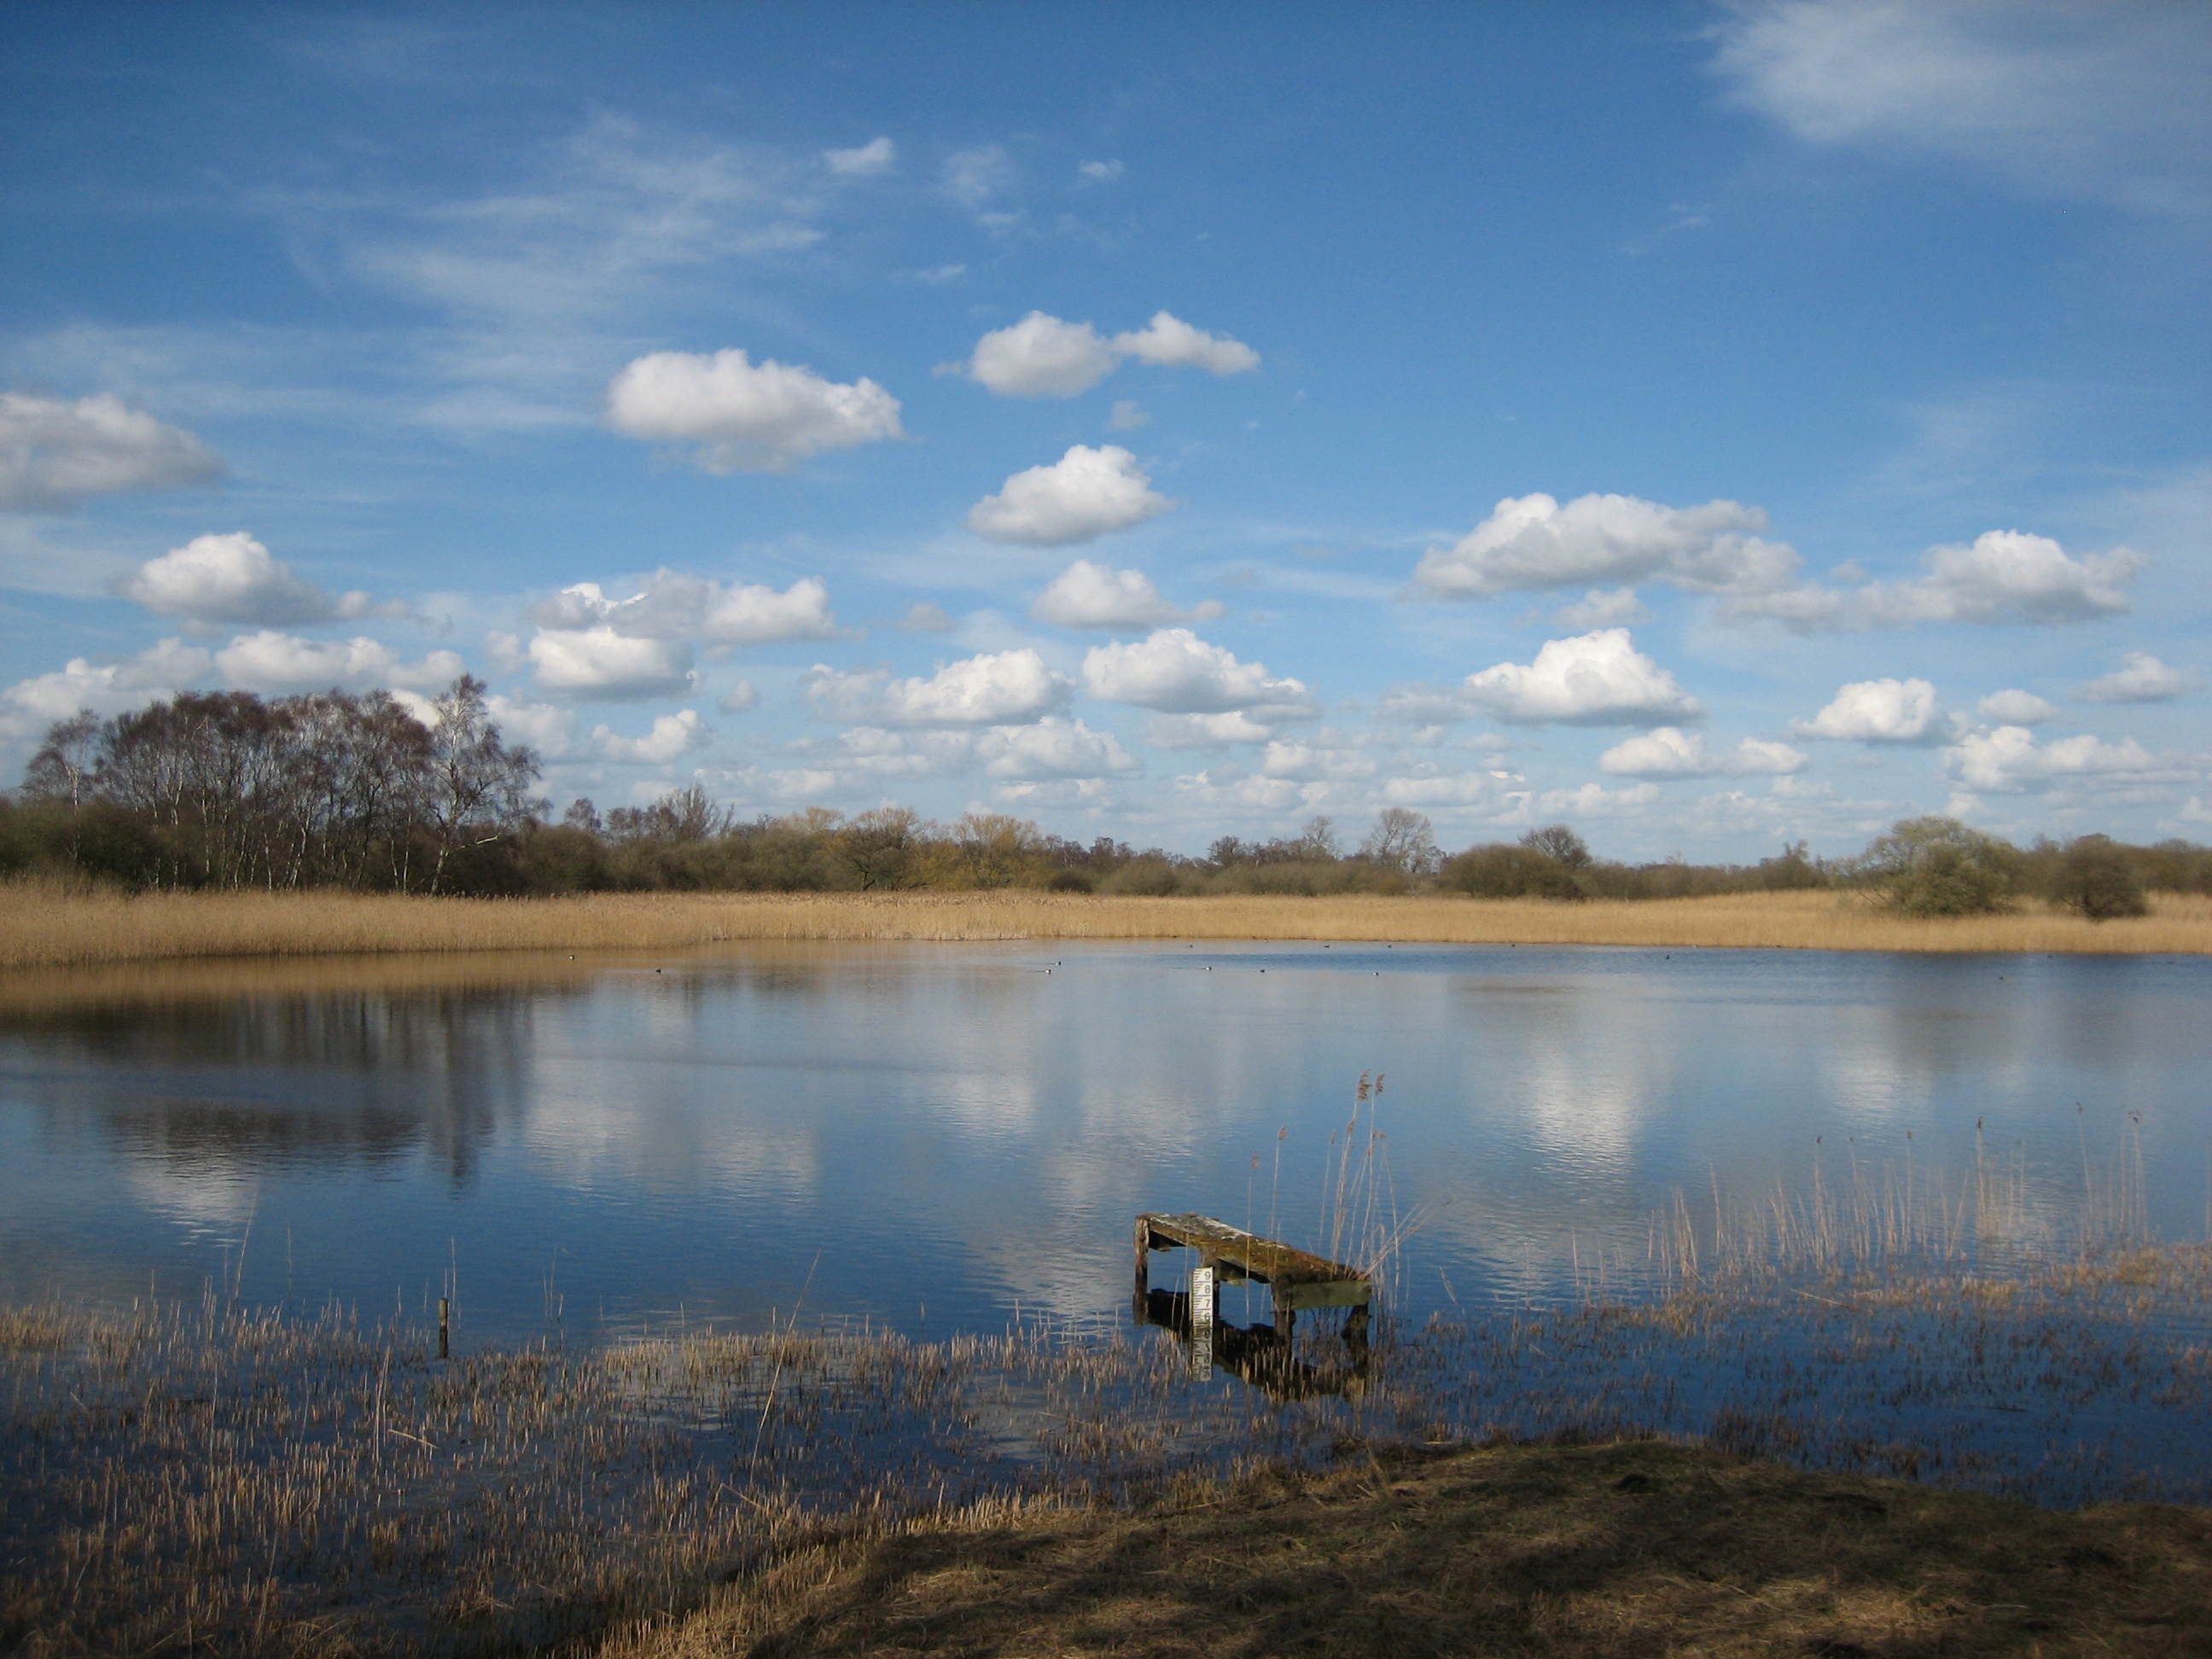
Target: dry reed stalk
<point>45,925</point>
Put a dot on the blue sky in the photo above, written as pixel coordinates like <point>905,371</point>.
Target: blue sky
<point>1712,426</point>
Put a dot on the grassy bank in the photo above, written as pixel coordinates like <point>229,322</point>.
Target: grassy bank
<point>1632,1547</point>
<point>46,926</point>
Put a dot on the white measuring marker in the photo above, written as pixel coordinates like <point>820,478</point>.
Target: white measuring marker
<point>1201,1324</point>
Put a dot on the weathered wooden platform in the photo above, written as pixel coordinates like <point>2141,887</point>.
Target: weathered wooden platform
<point>1297,1279</point>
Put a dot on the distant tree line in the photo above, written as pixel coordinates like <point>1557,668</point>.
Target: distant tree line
<point>226,790</point>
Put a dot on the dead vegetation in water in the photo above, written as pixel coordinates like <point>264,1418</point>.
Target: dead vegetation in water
<point>46,925</point>
<point>228,1482</point>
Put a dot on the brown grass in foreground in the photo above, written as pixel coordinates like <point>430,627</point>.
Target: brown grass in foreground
<point>45,926</point>
<point>1634,1548</point>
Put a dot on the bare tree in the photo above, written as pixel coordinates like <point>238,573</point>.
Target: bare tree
<point>1401,839</point>
<point>479,786</point>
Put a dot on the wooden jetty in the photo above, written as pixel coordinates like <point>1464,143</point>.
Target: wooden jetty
<point>1297,1278</point>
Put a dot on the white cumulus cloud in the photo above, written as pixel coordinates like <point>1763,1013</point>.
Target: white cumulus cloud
<point>1047,356</point>
<point>673,737</point>
<point>1041,356</point>
<point>1206,731</point>
<point>2003,576</point>
<point>2009,760</point>
<point>31,705</point>
<point>1004,688</point>
<point>55,454</point>
<point>1087,595</point>
<point>743,416</point>
<point>677,605</point>
<point>598,662</point>
<point>273,662</point>
<point>1176,672</point>
<point>1670,752</point>
<point>1053,748</point>
<point>2145,679</point>
<point>234,579</point>
<point>1084,495</point>
<point>1168,341</point>
<point>1877,711</point>
<point>1533,542</point>
<point>1598,678</point>
<point>2015,708</point>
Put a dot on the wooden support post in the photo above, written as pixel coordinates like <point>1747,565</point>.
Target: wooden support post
<point>1137,1302</point>
<point>445,1320</point>
<point>1286,1314</point>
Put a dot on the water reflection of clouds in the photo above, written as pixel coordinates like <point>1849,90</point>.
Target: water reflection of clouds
<point>951,1125</point>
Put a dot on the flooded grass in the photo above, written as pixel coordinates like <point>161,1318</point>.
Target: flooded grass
<point>45,925</point>
<point>213,1480</point>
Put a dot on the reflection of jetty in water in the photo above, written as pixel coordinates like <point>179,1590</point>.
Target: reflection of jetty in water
<point>1261,1354</point>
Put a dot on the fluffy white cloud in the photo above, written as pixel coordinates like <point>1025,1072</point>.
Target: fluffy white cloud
<point>746,417</point>
<point>1041,356</point>
<point>2009,760</point>
<point>676,606</point>
<point>1204,731</point>
<point>1002,687</point>
<point>54,453</point>
<point>2013,707</point>
<point>2145,679</point>
<point>1877,711</point>
<point>1081,497</point>
<point>2004,576</point>
<point>673,737</point>
<point>876,156</point>
<point>546,727</point>
<point>1434,788</point>
<point>1053,748</point>
<point>740,698</point>
<point>1670,752</point>
<point>1046,356</point>
<point>1005,688</point>
<point>233,579</point>
<point>2009,576</point>
<point>598,662</point>
<point>2103,102</point>
<point>1087,595</point>
<point>1533,542</point>
<point>29,706</point>
<point>1599,678</point>
<point>1177,673</point>
<point>1099,173</point>
<point>1168,340</point>
<point>272,662</point>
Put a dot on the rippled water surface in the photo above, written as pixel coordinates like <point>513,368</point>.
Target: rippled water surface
<point>931,1137</point>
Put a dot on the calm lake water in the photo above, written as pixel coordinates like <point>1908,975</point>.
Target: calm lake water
<point>934,1137</point>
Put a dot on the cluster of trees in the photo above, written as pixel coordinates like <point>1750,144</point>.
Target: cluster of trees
<point>226,790</point>
<point>223,789</point>
<point>1925,867</point>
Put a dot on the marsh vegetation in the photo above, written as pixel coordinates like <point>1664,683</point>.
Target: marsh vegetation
<point>233,1479</point>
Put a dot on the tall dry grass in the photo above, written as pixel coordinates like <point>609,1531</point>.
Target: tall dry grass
<point>46,926</point>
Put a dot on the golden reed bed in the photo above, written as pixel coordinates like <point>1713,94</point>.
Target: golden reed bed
<point>44,927</point>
